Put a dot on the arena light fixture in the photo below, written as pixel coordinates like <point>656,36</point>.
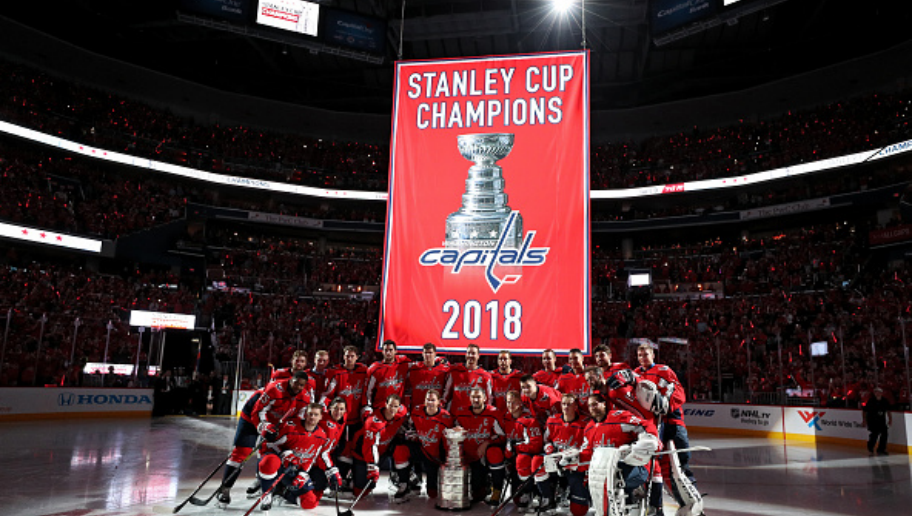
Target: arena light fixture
<point>562,6</point>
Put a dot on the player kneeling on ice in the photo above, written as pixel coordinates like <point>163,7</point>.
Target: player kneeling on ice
<point>286,466</point>
<point>617,448</point>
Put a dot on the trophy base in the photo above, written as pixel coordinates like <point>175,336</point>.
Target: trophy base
<point>453,492</point>
<point>475,231</point>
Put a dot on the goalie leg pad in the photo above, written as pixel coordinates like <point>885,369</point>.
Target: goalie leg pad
<point>683,489</point>
<point>602,475</point>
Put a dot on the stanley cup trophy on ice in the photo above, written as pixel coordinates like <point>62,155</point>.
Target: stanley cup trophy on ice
<point>453,480</point>
<point>484,214</point>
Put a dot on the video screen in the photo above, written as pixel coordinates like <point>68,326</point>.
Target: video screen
<point>291,15</point>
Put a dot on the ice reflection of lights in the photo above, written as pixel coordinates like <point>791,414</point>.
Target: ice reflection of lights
<point>93,457</point>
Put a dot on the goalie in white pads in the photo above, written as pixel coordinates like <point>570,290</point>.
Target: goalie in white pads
<point>658,388</point>
<point>617,448</point>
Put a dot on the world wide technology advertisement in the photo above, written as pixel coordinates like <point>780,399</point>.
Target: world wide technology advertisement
<point>487,237</point>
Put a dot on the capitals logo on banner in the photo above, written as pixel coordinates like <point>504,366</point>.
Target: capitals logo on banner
<point>487,237</point>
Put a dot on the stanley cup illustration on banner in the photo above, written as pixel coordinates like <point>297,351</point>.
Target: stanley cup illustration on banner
<point>484,218</point>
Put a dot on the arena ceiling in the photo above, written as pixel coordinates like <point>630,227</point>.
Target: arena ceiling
<point>631,65</point>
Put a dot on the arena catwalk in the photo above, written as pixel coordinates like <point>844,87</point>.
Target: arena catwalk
<point>144,467</point>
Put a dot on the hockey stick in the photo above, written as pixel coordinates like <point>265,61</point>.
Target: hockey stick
<point>522,487</point>
<point>197,490</point>
<point>348,512</point>
<point>198,502</point>
<point>652,465</point>
<point>268,491</point>
<point>683,450</point>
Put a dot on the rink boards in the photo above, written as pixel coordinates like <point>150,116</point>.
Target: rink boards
<point>803,424</point>
<point>29,403</point>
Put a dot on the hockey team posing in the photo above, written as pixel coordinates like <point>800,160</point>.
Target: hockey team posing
<point>312,428</point>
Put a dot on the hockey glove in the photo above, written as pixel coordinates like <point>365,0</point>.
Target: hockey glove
<point>335,479</point>
<point>268,431</point>
<point>300,481</point>
<point>290,460</point>
<point>373,473</point>
<point>620,379</point>
<point>640,452</point>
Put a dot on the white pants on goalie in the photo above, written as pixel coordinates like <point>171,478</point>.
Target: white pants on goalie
<point>606,484</point>
<point>682,488</point>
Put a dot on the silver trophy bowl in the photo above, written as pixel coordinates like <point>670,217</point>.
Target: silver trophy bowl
<point>485,148</point>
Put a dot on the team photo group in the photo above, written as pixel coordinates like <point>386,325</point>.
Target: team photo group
<point>561,439</point>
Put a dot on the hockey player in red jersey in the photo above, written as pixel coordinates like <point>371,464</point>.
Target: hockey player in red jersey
<point>483,446</point>
<point>298,363</point>
<point>383,436</point>
<point>463,378</point>
<point>427,444</point>
<point>333,425</point>
<point>280,401</point>
<point>348,381</point>
<point>425,376</point>
<point>564,433</point>
<point>666,400</point>
<point>620,389</point>
<point>503,380</point>
<point>574,382</point>
<point>385,378</point>
<point>293,459</point>
<point>541,400</point>
<point>318,373</point>
<point>525,442</point>
<point>602,354</point>
<point>636,439</point>
<point>549,374</point>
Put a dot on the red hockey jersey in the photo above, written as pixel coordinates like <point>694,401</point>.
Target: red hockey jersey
<point>460,382</point>
<point>576,384</point>
<point>378,433</point>
<point>277,403</point>
<point>429,430</point>
<point>563,435</point>
<point>524,432</point>
<point>422,378</point>
<point>347,384</point>
<point>384,379</point>
<point>501,384</point>
<point>667,382</point>
<point>546,404</point>
<point>617,429</point>
<point>309,447</point>
<point>486,426</point>
<point>548,378</point>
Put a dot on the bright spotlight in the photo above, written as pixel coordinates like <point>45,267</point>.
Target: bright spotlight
<point>562,6</point>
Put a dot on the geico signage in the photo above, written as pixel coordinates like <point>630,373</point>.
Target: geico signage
<point>69,399</point>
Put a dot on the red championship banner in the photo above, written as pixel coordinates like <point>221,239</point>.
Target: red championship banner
<point>487,237</point>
